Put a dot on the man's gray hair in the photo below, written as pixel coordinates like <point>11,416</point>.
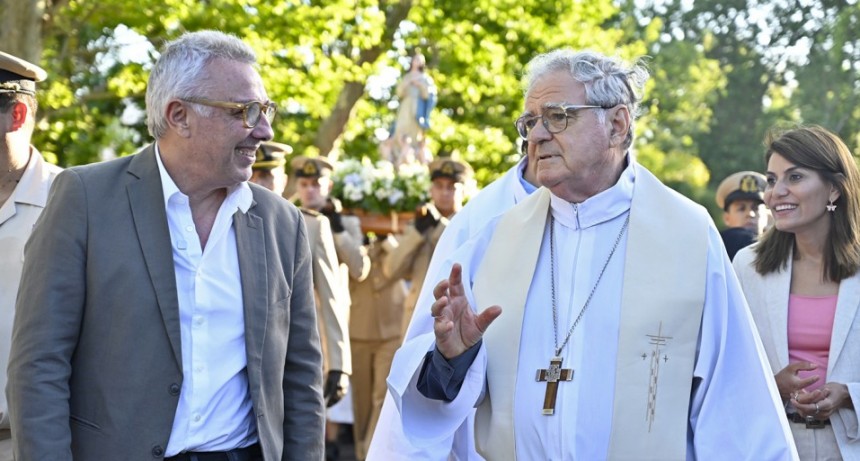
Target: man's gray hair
<point>180,72</point>
<point>608,81</point>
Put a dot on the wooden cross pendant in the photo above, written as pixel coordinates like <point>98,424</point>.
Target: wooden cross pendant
<point>552,376</point>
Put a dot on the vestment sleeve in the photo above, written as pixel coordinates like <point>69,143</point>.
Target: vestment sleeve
<point>427,422</point>
<point>441,379</point>
<point>727,374</point>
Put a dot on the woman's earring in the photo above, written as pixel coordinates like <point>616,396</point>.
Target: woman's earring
<point>831,208</point>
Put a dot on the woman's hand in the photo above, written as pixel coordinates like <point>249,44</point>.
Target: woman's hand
<point>789,384</point>
<point>824,401</point>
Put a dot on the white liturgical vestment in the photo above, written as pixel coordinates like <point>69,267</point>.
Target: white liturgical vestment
<point>729,370</point>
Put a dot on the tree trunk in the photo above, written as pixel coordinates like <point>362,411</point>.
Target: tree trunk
<point>332,127</point>
<point>21,28</point>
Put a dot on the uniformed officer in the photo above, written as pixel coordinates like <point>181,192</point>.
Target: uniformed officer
<point>330,292</point>
<point>412,256</point>
<point>741,196</point>
<point>268,168</point>
<point>374,327</point>
<point>313,192</point>
<point>25,179</point>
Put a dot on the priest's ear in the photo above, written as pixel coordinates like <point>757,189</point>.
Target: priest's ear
<point>618,118</point>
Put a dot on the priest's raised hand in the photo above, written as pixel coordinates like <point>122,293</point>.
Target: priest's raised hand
<point>457,326</point>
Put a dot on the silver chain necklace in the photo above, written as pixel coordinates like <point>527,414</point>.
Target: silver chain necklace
<point>558,348</point>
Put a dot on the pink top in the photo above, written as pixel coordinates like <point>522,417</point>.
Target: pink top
<point>810,325</point>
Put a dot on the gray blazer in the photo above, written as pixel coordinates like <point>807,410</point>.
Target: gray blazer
<point>96,366</point>
<point>767,296</point>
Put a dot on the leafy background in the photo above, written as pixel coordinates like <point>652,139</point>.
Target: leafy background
<point>724,71</point>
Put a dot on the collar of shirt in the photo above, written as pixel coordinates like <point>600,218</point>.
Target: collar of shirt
<point>33,187</point>
<point>521,168</point>
<point>601,208</point>
<point>238,196</point>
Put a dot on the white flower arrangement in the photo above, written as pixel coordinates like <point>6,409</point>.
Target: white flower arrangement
<point>378,187</point>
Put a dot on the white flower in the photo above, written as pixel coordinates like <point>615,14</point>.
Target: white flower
<point>382,193</point>
<point>378,186</point>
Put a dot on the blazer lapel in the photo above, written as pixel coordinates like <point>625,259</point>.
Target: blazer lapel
<point>251,245</point>
<point>846,309</point>
<point>146,200</point>
<point>778,287</point>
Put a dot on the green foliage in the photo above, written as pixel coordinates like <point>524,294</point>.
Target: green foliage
<point>308,52</point>
<point>827,90</point>
<point>702,113</point>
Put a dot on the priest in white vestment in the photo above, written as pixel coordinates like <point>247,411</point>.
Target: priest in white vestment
<point>599,318</point>
<point>515,185</point>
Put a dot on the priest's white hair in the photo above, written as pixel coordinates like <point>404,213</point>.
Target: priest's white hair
<point>608,81</point>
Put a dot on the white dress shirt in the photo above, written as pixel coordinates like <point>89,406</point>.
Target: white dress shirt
<point>215,410</point>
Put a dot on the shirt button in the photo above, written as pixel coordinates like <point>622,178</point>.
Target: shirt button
<point>189,228</point>
<point>174,389</point>
<point>196,418</point>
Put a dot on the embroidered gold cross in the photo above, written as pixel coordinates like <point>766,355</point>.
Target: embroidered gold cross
<point>658,341</point>
<point>552,376</point>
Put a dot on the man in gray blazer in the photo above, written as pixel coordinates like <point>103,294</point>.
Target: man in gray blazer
<point>166,308</point>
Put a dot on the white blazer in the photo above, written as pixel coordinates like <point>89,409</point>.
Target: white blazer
<point>767,296</point>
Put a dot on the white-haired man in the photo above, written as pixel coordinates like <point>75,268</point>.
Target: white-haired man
<point>621,338</point>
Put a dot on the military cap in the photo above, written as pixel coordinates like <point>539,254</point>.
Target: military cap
<point>445,167</point>
<point>271,155</point>
<point>306,167</point>
<point>18,75</point>
<point>744,185</point>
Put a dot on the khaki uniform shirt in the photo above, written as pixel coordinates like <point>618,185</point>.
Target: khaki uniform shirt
<point>330,293</point>
<point>410,261</point>
<point>377,302</point>
<point>17,218</point>
<point>350,249</point>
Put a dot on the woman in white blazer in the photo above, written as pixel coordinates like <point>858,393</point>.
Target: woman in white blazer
<point>803,287</point>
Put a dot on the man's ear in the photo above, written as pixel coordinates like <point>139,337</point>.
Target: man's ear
<point>177,115</point>
<point>19,115</point>
<point>619,122</point>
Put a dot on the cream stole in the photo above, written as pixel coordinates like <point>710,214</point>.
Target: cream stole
<point>662,301</point>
